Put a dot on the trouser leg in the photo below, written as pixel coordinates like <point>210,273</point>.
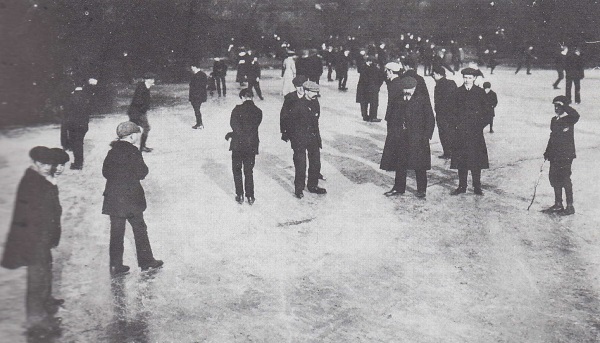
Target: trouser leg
<point>462,178</point>
<point>568,86</point>
<point>314,165</point>
<point>561,75</point>
<point>492,124</point>
<point>117,233</point>
<point>421,176</point>
<point>258,91</point>
<point>236,167</point>
<point>64,137</point>
<point>364,106</point>
<point>39,285</point>
<point>143,122</point>
<point>197,113</point>
<point>344,79</point>
<point>300,166</point>
<point>518,68</point>
<point>476,176</point>
<point>77,144</point>
<point>577,90</point>
<point>558,195</point>
<point>142,242</point>
<point>400,180</point>
<point>218,84</point>
<point>249,161</point>
<point>222,78</point>
<point>373,110</point>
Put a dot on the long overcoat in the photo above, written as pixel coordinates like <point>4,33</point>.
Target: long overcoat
<point>469,150</point>
<point>123,169</point>
<point>245,119</point>
<point>140,103</point>
<point>35,226</point>
<point>410,127</point>
<point>369,82</point>
<point>303,123</point>
<point>198,84</point>
<point>443,97</point>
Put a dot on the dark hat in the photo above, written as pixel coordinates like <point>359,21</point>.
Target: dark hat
<point>311,86</point>
<point>408,82</point>
<point>126,128</point>
<point>471,71</point>
<point>562,100</point>
<point>299,80</point>
<point>147,76</point>
<point>439,70</point>
<point>487,85</point>
<point>59,156</point>
<point>246,92</point>
<point>41,154</point>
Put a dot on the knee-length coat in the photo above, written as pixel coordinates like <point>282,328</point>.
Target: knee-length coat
<point>469,150</point>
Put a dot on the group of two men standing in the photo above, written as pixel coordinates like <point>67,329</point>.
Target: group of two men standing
<point>461,114</point>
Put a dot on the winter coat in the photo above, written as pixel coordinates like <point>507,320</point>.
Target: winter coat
<point>219,69</point>
<point>469,150</point>
<point>561,61</point>
<point>342,64</point>
<point>253,71</point>
<point>198,86</point>
<point>140,104</point>
<point>77,110</point>
<point>491,101</point>
<point>35,226</point>
<point>314,67</point>
<point>303,123</point>
<point>443,97</point>
<point>288,103</point>
<point>410,127</point>
<point>369,82</point>
<point>395,94</point>
<point>561,145</point>
<point>245,119</point>
<point>574,67</point>
<point>123,169</point>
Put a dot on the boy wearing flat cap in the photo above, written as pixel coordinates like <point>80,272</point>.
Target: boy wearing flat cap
<point>35,230</point>
<point>288,103</point>
<point>560,151</point>
<point>124,199</point>
<point>469,151</point>
<point>140,104</point>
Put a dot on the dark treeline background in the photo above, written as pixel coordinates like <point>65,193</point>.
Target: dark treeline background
<point>46,46</point>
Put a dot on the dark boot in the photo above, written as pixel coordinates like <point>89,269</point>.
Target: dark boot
<point>557,207</point>
<point>568,211</point>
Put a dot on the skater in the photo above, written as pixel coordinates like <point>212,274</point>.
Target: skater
<point>219,72</point>
<point>253,73</point>
<point>329,57</point>
<point>140,104</point>
<point>76,120</point>
<point>288,73</point>
<point>443,96</point>
<point>245,120</point>
<point>197,93</point>
<point>410,127</point>
<point>491,101</point>
<point>303,130</point>
<point>314,66</point>
<point>469,151</point>
<point>342,65</point>
<point>560,151</point>
<point>560,65</point>
<point>574,72</point>
<point>526,58</point>
<point>288,103</point>
<point>35,230</point>
<point>493,60</point>
<point>367,91</point>
<point>124,199</point>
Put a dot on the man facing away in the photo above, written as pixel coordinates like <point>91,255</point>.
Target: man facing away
<point>443,96</point>
<point>124,199</point>
<point>140,104</point>
<point>197,93</point>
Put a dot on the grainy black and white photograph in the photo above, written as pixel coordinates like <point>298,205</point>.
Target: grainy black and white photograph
<point>291,171</point>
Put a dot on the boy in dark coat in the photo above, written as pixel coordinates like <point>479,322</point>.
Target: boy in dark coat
<point>197,94</point>
<point>140,104</point>
<point>491,101</point>
<point>124,199</point>
<point>288,103</point>
<point>253,73</point>
<point>342,65</point>
<point>367,91</point>
<point>561,152</point>
<point>245,120</point>
<point>469,151</point>
<point>34,231</point>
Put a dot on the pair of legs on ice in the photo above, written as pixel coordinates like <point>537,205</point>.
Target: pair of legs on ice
<point>144,254</point>
<point>314,170</point>
<point>40,305</point>
<point>400,183</point>
<point>243,161</point>
<point>560,177</point>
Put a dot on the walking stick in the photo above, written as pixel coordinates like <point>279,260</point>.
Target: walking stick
<point>536,184</point>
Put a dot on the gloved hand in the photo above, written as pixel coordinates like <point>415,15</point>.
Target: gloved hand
<point>285,137</point>
<point>228,135</point>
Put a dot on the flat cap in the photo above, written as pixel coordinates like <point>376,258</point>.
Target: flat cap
<point>299,80</point>
<point>311,86</point>
<point>393,66</point>
<point>126,128</point>
<point>408,82</point>
<point>562,100</point>
<point>471,71</point>
<point>41,154</point>
<point>59,156</point>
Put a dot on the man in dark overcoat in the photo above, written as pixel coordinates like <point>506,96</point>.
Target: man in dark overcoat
<point>245,120</point>
<point>560,64</point>
<point>469,151</point>
<point>124,199</point>
<point>443,97</point>
<point>492,101</point>
<point>77,117</point>
<point>410,127</point>
<point>219,73</point>
<point>526,58</point>
<point>314,66</point>
<point>36,229</point>
<point>288,103</point>
<point>574,73</point>
<point>138,109</point>
<point>560,151</point>
<point>367,91</point>
<point>253,73</point>
<point>303,130</point>
<point>342,65</point>
<point>197,93</point>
